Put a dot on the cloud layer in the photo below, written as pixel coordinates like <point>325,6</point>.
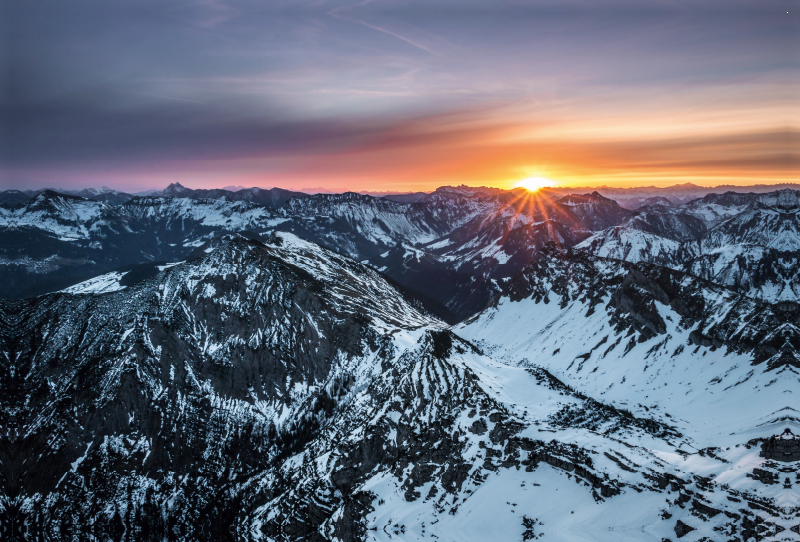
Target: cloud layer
<point>386,95</point>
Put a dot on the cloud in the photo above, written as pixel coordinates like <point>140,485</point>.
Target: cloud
<point>334,92</point>
<point>344,13</point>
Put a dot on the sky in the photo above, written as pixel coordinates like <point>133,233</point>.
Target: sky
<point>386,95</point>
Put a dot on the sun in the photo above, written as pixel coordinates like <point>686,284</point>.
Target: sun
<point>534,183</point>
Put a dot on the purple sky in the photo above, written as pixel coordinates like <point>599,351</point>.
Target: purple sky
<point>389,95</point>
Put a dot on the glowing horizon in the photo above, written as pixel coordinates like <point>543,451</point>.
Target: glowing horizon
<point>402,97</point>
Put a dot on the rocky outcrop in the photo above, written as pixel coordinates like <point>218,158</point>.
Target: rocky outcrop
<point>784,447</point>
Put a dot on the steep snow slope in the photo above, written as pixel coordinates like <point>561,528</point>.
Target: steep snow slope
<point>595,211</point>
<point>209,213</point>
<point>523,221</point>
<point>668,221</point>
<point>457,245</point>
<point>719,368</point>
<point>634,245</point>
<point>772,227</point>
<point>454,445</point>
<point>380,221</point>
<point>753,251</point>
<point>499,233</point>
<point>66,217</point>
<point>447,432</point>
<point>56,240</point>
<point>108,282</point>
<point>652,340</point>
<point>660,234</point>
<point>757,271</point>
<point>714,208</point>
<point>74,218</point>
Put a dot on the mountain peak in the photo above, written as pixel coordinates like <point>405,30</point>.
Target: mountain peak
<point>464,190</point>
<point>573,200</point>
<point>175,189</point>
<point>785,199</point>
<point>685,186</point>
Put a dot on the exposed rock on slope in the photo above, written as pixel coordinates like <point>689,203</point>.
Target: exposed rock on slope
<point>751,246</point>
<point>281,391</point>
<point>158,402</point>
<point>717,366</point>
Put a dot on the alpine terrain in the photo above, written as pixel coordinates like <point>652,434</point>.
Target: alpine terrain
<point>470,364</point>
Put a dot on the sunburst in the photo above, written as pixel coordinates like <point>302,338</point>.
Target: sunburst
<point>533,184</point>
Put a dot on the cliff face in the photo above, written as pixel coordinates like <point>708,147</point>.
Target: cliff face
<point>784,447</point>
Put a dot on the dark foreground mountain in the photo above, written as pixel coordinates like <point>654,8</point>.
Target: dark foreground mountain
<point>152,408</point>
<point>281,391</point>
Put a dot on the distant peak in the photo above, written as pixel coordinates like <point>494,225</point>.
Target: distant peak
<point>468,190</point>
<point>176,188</point>
<point>584,198</point>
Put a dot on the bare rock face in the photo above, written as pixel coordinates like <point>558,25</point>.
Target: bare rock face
<point>784,447</point>
<point>681,529</point>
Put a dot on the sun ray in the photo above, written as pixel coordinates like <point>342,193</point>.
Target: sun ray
<point>532,184</point>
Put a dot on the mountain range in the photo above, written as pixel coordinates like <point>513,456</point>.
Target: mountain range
<point>456,245</point>
<point>630,198</point>
<point>468,364</point>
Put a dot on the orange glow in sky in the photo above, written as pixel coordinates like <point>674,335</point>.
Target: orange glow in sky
<point>533,184</point>
<point>405,96</point>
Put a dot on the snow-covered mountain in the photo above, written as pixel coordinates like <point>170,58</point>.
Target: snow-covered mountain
<point>772,226</point>
<point>65,217</point>
<point>634,245</point>
<point>77,238</point>
<point>357,218</point>
<point>467,266</point>
<point>515,224</point>
<point>747,242</point>
<point>55,239</point>
<point>282,391</point>
<point>271,197</point>
<point>758,271</point>
<point>718,368</point>
<point>457,245</point>
<point>668,221</point>
<point>200,373</point>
